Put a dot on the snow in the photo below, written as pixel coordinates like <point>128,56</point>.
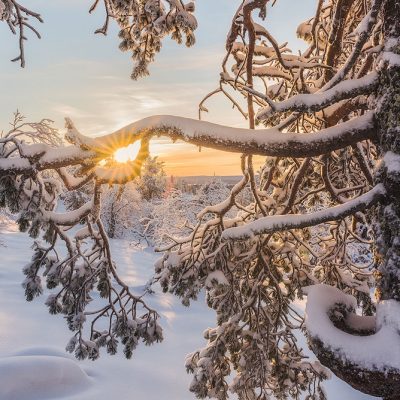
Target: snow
<point>46,156</point>
<point>217,276</point>
<point>41,377</point>
<point>380,351</point>
<point>14,163</point>
<point>70,180</point>
<point>392,58</point>
<point>29,333</point>
<point>317,101</point>
<point>291,221</point>
<point>363,25</point>
<point>68,218</point>
<point>270,141</point>
<point>392,162</point>
<point>390,53</point>
<point>32,342</point>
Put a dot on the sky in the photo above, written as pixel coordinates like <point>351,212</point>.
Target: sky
<point>73,73</point>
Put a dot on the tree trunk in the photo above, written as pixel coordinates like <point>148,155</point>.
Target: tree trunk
<point>385,384</point>
<point>388,119</point>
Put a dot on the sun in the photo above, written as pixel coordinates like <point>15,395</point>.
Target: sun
<point>129,153</point>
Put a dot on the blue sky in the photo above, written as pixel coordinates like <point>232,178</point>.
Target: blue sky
<point>72,72</point>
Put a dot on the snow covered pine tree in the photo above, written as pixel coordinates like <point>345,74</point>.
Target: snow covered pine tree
<point>325,218</point>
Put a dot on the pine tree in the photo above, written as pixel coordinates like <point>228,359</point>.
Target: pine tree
<point>153,179</point>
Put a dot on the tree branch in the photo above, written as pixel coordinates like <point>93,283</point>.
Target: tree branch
<point>317,101</point>
<point>277,223</point>
<point>264,142</point>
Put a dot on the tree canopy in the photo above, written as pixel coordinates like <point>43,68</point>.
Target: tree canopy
<point>324,219</point>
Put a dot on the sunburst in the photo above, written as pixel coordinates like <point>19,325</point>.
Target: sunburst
<point>125,154</point>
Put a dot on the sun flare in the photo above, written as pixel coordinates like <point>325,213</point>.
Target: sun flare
<point>129,153</point>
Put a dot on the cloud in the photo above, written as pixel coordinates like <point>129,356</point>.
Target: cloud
<point>116,105</point>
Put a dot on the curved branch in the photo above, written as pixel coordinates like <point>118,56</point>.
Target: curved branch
<point>264,142</point>
<point>376,371</point>
<point>68,218</point>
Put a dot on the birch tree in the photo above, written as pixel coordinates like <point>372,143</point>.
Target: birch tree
<point>324,220</point>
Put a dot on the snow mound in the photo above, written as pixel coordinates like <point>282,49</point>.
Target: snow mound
<point>41,351</point>
<point>40,377</point>
<point>378,351</point>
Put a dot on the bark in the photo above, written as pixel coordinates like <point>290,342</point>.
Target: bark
<point>388,121</point>
<point>374,383</point>
<point>336,36</point>
<point>387,222</point>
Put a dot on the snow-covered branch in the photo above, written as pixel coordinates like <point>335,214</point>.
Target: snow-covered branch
<point>315,102</point>
<point>265,142</point>
<point>41,157</point>
<point>354,345</point>
<point>363,32</point>
<point>277,223</point>
<point>69,218</point>
<point>18,18</point>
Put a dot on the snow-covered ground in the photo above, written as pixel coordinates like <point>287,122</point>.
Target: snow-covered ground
<point>34,366</point>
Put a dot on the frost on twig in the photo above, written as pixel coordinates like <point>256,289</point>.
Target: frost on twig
<point>143,25</point>
<point>18,19</point>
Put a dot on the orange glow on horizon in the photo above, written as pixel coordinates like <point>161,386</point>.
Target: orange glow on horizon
<point>182,159</point>
<point>186,160</point>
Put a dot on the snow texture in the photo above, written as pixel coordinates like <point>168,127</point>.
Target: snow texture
<point>269,141</point>
<point>317,101</point>
<point>37,377</point>
<point>31,339</point>
<point>282,222</point>
<point>379,351</point>
<point>392,162</point>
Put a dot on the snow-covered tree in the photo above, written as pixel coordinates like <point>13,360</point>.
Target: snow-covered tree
<point>121,209</point>
<point>175,215</point>
<point>142,26</point>
<point>213,192</point>
<point>324,220</point>
<point>153,179</point>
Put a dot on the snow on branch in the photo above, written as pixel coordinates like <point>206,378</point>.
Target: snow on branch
<point>264,142</point>
<point>277,223</point>
<point>18,19</point>
<point>363,32</point>
<point>315,102</point>
<point>40,157</point>
<point>143,25</point>
<point>378,351</point>
<point>69,218</point>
